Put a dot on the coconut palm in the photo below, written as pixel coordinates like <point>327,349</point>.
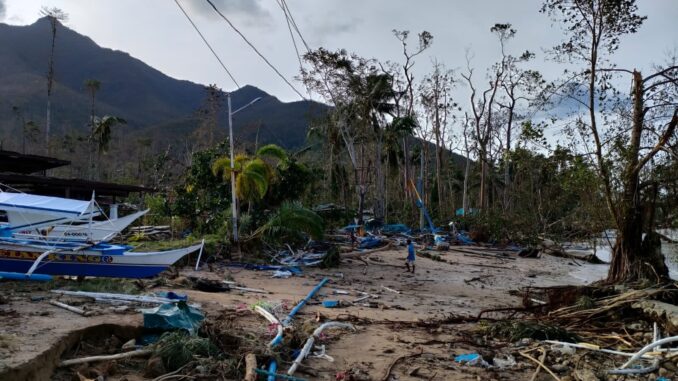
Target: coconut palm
<point>92,86</point>
<point>101,136</point>
<point>253,175</point>
<point>101,131</point>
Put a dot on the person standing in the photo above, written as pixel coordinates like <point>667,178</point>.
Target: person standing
<point>411,255</point>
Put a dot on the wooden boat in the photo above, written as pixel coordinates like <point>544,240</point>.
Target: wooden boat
<point>84,254</point>
<point>101,260</point>
<point>54,218</point>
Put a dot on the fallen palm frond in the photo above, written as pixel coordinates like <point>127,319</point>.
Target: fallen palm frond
<point>289,222</point>
<point>177,349</point>
<point>576,315</point>
<point>514,330</point>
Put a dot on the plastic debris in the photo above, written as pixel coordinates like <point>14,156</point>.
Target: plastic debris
<point>464,238</point>
<point>171,295</point>
<point>471,359</point>
<point>284,274</point>
<point>503,363</point>
<point>330,303</point>
<point>173,316</point>
<point>370,242</point>
<point>395,229</point>
<point>250,266</point>
<point>321,353</point>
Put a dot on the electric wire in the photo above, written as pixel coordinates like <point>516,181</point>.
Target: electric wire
<point>207,43</point>
<point>294,24</point>
<point>294,42</point>
<point>254,48</point>
<point>289,27</point>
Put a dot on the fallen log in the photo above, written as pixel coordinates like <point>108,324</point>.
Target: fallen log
<point>483,254</point>
<point>250,366</point>
<point>67,307</point>
<point>357,254</point>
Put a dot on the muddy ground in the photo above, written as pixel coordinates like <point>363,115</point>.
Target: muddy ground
<point>411,334</point>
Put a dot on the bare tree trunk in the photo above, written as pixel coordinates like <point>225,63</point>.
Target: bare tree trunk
<point>632,257</point>
<point>380,185</point>
<point>482,192</point>
<point>507,162</point>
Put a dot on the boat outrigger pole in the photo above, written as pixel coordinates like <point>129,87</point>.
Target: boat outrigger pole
<point>37,262</point>
<point>420,205</point>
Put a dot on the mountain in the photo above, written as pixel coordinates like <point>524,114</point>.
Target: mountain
<point>154,104</point>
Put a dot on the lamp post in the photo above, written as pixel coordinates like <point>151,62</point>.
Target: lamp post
<point>234,197</point>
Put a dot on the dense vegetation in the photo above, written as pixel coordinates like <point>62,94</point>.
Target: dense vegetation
<point>486,160</point>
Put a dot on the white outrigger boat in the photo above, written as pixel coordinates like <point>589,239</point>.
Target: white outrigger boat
<point>32,217</point>
<point>60,254</point>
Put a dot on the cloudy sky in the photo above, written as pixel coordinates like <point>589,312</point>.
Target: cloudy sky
<point>156,32</point>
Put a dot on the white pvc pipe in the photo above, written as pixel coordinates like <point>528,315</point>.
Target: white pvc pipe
<point>590,348</point>
<point>649,369</point>
<point>273,320</point>
<point>648,348</point>
<point>309,343</point>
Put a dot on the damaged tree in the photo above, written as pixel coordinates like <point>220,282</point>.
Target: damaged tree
<point>626,142</point>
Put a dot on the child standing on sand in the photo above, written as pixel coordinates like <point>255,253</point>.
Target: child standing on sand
<point>410,256</point>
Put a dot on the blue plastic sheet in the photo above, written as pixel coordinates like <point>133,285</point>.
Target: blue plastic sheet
<point>170,316</point>
<point>464,238</point>
<point>251,266</point>
<point>369,243</point>
<point>172,295</point>
<point>395,229</point>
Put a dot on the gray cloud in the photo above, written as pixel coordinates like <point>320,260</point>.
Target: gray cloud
<point>250,10</point>
<point>332,27</point>
<point>2,9</point>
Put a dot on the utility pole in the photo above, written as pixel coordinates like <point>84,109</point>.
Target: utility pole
<point>234,197</point>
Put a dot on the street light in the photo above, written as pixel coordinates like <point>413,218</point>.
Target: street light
<point>234,198</point>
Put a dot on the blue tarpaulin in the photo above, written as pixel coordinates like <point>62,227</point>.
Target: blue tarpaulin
<point>369,243</point>
<point>252,266</point>
<point>395,229</point>
<point>465,239</point>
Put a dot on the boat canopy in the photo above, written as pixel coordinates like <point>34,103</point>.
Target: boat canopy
<point>55,206</point>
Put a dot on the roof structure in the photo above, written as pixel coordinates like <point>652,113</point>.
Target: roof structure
<point>69,188</point>
<point>16,162</point>
<point>18,173</point>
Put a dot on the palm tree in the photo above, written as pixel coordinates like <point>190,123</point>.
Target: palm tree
<point>253,175</point>
<point>101,134</point>
<point>54,15</point>
<point>92,86</point>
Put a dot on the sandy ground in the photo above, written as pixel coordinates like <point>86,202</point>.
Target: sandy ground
<point>465,285</point>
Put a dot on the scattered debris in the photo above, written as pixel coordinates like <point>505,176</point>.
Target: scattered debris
<point>84,360</point>
<point>309,343</point>
<point>65,306</point>
<point>173,316</point>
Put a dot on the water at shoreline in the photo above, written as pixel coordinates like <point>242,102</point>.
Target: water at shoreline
<point>590,273</point>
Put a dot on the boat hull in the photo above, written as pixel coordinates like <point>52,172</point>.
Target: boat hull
<point>86,263</point>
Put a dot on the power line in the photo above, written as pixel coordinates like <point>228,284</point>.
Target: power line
<point>282,5</point>
<point>207,43</point>
<point>255,49</point>
<point>294,23</point>
<point>289,27</point>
